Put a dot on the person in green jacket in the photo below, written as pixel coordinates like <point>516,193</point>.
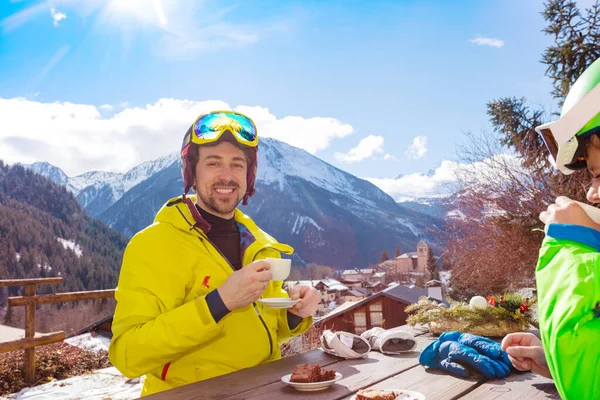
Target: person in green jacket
<point>568,269</point>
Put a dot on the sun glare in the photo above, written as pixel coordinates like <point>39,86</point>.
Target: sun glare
<point>146,11</point>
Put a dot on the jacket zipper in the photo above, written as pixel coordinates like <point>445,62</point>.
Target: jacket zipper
<point>253,304</point>
<point>266,328</point>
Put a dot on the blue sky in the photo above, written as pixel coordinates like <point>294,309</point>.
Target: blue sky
<point>376,88</point>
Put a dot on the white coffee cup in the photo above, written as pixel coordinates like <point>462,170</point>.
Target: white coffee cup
<point>280,268</point>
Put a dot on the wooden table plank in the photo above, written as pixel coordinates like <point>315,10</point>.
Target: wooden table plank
<point>526,385</point>
<point>433,383</point>
<point>251,378</point>
<point>376,371</point>
<point>240,381</point>
<point>357,374</point>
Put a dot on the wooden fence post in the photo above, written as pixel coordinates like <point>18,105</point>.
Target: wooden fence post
<point>30,301</point>
<point>30,333</point>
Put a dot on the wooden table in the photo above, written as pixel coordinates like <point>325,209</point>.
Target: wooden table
<point>377,371</point>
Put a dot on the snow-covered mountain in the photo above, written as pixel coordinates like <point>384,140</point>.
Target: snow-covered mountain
<point>328,216</point>
<point>437,206</point>
<point>51,172</point>
<point>98,190</point>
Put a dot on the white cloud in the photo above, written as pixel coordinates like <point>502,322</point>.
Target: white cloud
<point>106,107</point>
<point>365,149</point>
<point>57,16</point>
<point>389,157</point>
<point>483,41</point>
<point>418,184</point>
<point>311,134</point>
<point>79,138</point>
<point>443,180</point>
<point>418,148</point>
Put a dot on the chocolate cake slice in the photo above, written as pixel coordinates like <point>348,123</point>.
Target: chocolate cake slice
<point>327,375</point>
<point>306,373</point>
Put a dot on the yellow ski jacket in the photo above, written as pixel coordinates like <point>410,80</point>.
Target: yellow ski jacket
<point>163,328</point>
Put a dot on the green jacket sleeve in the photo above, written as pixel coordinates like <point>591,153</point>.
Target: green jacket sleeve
<point>152,326</point>
<point>568,282</point>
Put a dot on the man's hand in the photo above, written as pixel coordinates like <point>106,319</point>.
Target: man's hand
<point>526,353</point>
<point>245,286</point>
<point>309,300</point>
<point>566,211</point>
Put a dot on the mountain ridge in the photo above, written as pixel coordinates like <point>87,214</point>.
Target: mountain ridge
<point>328,215</point>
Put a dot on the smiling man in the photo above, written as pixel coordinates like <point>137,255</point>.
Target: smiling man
<point>186,298</point>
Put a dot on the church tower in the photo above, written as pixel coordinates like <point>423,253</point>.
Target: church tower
<point>422,250</point>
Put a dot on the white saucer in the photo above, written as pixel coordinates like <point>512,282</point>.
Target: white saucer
<point>312,386</point>
<point>278,302</point>
<point>402,394</point>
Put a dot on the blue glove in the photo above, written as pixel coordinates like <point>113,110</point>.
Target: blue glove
<point>485,346</point>
<point>455,357</point>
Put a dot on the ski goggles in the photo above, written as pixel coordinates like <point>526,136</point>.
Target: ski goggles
<point>208,128</point>
<point>560,137</point>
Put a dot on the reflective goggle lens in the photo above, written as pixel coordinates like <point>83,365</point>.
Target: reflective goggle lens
<point>549,141</point>
<point>210,127</point>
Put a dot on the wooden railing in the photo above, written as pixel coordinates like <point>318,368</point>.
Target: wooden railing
<point>30,300</point>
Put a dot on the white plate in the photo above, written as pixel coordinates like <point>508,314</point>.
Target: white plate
<point>278,302</point>
<point>310,387</point>
<point>403,394</point>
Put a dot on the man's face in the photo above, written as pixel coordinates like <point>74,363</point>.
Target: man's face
<point>220,178</point>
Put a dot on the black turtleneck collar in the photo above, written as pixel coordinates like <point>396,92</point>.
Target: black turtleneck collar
<point>217,223</point>
<point>225,236</point>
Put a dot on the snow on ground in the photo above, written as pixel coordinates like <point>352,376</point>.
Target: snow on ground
<point>69,244</point>
<point>89,342</point>
<point>8,333</point>
<point>102,384</point>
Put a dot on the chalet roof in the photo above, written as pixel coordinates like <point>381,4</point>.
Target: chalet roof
<point>357,271</point>
<point>400,293</point>
<point>347,281</point>
<point>405,294</point>
<point>355,293</point>
<point>412,254</point>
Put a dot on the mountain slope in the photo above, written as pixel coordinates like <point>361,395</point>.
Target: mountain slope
<point>435,206</point>
<point>44,231</point>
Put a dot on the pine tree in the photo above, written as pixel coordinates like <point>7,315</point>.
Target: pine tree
<point>575,35</point>
<point>576,43</point>
<point>398,251</point>
<point>384,256</point>
<point>9,316</point>
<point>431,263</point>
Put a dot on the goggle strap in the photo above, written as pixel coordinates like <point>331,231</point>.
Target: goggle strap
<point>199,221</point>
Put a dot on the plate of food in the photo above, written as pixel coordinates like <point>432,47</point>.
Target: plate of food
<point>311,377</point>
<point>387,394</point>
<point>278,302</point>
